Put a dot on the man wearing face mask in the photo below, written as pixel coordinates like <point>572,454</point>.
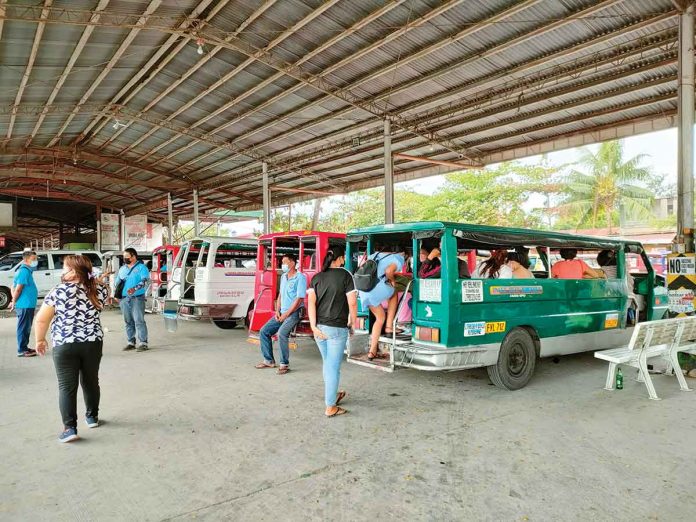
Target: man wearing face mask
<point>289,305</point>
<point>136,277</point>
<point>24,298</point>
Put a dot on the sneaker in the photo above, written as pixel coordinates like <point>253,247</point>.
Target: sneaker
<point>28,353</point>
<point>68,435</point>
<point>129,347</point>
<point>142,347</point>
<point>92,422</point>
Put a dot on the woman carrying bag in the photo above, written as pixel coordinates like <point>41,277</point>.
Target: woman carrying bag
<point>72,311</point>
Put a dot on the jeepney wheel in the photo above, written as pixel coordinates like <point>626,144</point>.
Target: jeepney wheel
<point>5,298</point>
<point>224,324</point>
<point>516,361</point>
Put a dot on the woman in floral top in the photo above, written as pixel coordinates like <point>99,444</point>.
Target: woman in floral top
<point>72,310</point>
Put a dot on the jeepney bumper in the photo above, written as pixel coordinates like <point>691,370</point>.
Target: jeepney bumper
<point>196,312</point>
<point>428,357</point>
<point>432,358</point>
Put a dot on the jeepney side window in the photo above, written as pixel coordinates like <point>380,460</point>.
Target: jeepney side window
<point>309,254</point>
<point>284,246</point>
<point>567,271</point>
<point>235,256</point>
<point>358,254</point>
<point>266,251</point>
<point>429,265</point>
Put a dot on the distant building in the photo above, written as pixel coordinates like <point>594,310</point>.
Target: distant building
<point>664,207</point>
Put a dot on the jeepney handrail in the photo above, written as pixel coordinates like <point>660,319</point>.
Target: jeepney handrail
<point>396,320</point>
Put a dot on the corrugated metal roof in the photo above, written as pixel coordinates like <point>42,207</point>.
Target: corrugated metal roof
<point>406,62</point>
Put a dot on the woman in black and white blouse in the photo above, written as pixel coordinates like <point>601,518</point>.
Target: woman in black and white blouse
<point>72,310</point>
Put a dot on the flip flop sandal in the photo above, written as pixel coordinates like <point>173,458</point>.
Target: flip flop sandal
<point>341,395</point>
<point>339,411</point>
<point>263,365</point>
<point>371,356</point>
<point>283,370</point>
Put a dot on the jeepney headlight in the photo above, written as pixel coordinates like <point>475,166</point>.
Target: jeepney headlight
<point>431,335</point>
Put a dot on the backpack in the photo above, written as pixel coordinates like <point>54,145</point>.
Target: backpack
<point>365,277</point>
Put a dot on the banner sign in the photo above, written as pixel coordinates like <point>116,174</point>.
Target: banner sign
<point>681,283</point>
<point>154,236</point>
<point>110,232</point>
<point>135,228</point>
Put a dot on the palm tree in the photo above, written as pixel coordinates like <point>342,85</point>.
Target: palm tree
<point>605,185</point>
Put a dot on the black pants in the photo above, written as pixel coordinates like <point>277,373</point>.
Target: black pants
<point>77,362</point>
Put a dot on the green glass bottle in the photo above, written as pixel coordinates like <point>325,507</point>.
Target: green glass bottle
<point>619,379</point>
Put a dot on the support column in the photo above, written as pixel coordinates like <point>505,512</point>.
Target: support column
<point>196,222</point>
<point>388,175</point>
<point>685,183</point>
<point>266,200</point>
<point>170,220</point>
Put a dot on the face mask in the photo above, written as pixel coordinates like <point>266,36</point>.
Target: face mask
<point>285,269</point>
<point>128,261</point>
<point>34,264</point>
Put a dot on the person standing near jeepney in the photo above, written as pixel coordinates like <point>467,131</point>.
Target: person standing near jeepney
<point>136,278</point>
<point>24,298</point>
<point>288,312</point>
<point>333,309</point>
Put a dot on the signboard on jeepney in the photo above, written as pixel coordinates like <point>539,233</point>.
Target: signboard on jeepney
<point>430,290</point>
<point>472,291</point>
<point>681,283</point>
<point>110,231</point>
<point>135,232</point>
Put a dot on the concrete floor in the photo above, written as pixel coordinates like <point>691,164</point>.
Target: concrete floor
<point>192,430</point>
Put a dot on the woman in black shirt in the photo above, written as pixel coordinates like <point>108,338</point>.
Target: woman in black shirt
<point>333,308</point>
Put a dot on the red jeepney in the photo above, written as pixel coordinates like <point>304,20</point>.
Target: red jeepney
<point>309,247</point>
<point>162,263</point>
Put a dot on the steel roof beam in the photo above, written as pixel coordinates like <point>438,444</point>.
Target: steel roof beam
<point>152,6</point>
<point>35,181</point>
<point>2,15</point>
<point>154,59</point>
<point>496,48</point>
<point>200,63</point>
<point>268,81</point>
<point>64,196</point>
<point>229,76</point>
<point>521,132</point>
<point>30,64</point>
<point>504,103</point>
<point>86,33</point>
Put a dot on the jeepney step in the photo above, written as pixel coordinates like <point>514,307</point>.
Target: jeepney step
<point>399,341</point>
<point>377,364</point>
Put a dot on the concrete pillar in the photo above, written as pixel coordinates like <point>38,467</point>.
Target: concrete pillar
<point>388,175</point>
<point>685,184</point>
<point>266,199</point>
<point>196,222</point>
<point>170,220</point>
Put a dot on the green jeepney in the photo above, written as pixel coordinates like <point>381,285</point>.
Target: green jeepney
<point>458,322</point>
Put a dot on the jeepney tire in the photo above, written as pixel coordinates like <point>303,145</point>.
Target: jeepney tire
<point>5,298</point>
<point>225,324</point>
<point>516,361</point>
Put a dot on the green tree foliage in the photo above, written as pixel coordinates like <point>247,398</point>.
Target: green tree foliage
<point>605,185</point>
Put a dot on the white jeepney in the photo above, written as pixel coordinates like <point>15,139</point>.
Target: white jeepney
<point>213,279</point>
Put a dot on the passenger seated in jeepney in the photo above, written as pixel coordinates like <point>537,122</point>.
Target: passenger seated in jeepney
<point>494,267</point>
<point>463,266</point>
<point>431,266</point>
<point>571,268</point>
<point>607,260</point>
<point>515,263</point>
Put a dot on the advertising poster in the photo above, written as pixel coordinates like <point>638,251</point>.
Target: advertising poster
<point>110,232</point>
<point>154,236</point>
<point>135,228</point>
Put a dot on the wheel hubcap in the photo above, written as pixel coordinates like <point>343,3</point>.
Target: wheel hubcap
<point>517,359</point>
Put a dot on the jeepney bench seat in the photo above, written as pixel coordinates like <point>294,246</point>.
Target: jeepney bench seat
<point>661,338</point>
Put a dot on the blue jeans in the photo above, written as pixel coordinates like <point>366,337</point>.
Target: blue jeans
<point>332,353</point>
<point>25,316</point>
<point>283,330</point>
<point>133,309</point>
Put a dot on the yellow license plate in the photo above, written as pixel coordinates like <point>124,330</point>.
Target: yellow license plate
<point>495,327</point>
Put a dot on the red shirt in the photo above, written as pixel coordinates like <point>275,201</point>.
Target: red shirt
<point>569,269</point>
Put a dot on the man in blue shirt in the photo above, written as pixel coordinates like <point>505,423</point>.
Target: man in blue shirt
<point>288,311</point>
<point>136,277</point>
<point>24,297</point>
